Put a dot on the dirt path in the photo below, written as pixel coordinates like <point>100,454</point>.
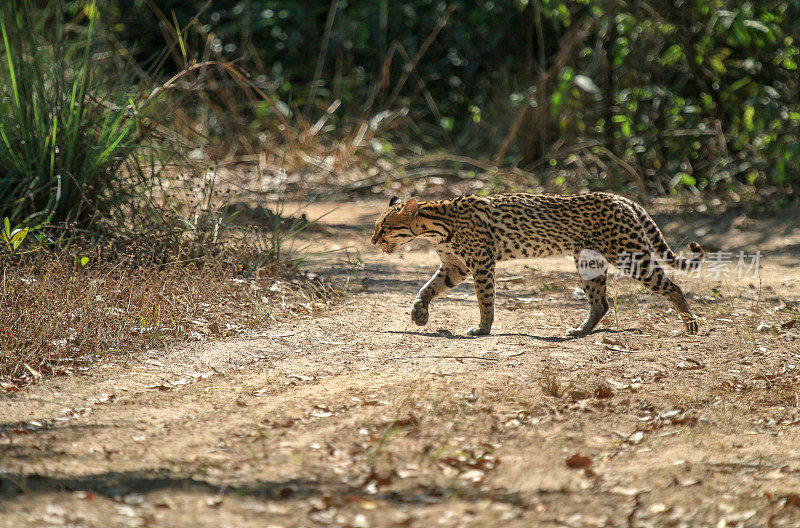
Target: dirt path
<point>357,418</point>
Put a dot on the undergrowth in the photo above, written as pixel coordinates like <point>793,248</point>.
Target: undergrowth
<point>117,236</point>
<point>69,135</point>
<point>64,309</point>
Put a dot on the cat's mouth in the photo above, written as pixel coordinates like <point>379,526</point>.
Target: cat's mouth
<point>388,249</point>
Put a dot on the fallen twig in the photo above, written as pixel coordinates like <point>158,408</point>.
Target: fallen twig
<point>274,336</point>
<point>483,358</point>
<point>745,465</point>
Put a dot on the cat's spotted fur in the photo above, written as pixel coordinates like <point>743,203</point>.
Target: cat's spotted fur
<point>472,233</point>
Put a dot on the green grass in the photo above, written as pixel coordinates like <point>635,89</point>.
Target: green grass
<point>67,133</point>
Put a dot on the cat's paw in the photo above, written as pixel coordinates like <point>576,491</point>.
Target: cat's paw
<point>419,314</point>
<point>576,332</point>
<point>477,331</point>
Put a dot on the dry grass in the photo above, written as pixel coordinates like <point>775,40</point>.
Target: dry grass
<point>59,315</point>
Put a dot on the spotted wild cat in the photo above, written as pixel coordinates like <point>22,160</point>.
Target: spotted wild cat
<point>472,233</point>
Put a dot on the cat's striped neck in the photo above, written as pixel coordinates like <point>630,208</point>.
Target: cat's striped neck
<point>433,221</point>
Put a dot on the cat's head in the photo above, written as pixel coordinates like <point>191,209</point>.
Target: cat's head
<point>394,226</point>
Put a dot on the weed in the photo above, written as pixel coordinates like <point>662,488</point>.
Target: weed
<point>67,133</point>
<point>552,386</point>
<point>12,239</point>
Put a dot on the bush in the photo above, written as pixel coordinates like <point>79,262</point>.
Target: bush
<point>68,134</point>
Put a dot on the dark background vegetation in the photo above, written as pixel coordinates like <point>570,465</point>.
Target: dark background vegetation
<point>691,95</point>
<point>650,97</point>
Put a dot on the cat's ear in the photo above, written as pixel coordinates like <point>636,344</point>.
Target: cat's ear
<point>410,208</point>
<point>394,201</point>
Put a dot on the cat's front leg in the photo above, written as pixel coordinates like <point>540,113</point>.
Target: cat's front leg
<point>484,289</point>
<point>446,277</point>
<point>419,312</point>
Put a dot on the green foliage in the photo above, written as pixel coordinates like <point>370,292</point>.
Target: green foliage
<point>459,72</point>
<point>12,238</point>
<point>700,94</point>
<point>18,241</point>
<point>703,91</point>
<point>66,131</point>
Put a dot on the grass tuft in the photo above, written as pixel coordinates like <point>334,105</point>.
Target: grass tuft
<point>67,135</point>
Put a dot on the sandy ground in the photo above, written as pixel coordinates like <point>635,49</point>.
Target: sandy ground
<point>355,417</point>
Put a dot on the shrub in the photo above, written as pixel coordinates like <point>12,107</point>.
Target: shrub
<point>67,133</point>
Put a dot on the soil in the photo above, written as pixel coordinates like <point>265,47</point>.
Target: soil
<point>355,417</point>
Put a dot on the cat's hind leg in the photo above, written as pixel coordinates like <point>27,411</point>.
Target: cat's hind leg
<point>484,289</point>
<point>654,277</point>
<point>594,285</point>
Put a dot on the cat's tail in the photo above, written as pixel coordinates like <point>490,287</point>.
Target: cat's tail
<point>660,246</point>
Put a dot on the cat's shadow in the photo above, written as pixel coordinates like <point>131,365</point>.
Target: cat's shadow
<point>449,335</point>
<point>550,339</point>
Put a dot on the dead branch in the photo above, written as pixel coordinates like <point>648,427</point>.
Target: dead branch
<point>573,39</point>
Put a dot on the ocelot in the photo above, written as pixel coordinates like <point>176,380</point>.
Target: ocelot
<point>472,233</point>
